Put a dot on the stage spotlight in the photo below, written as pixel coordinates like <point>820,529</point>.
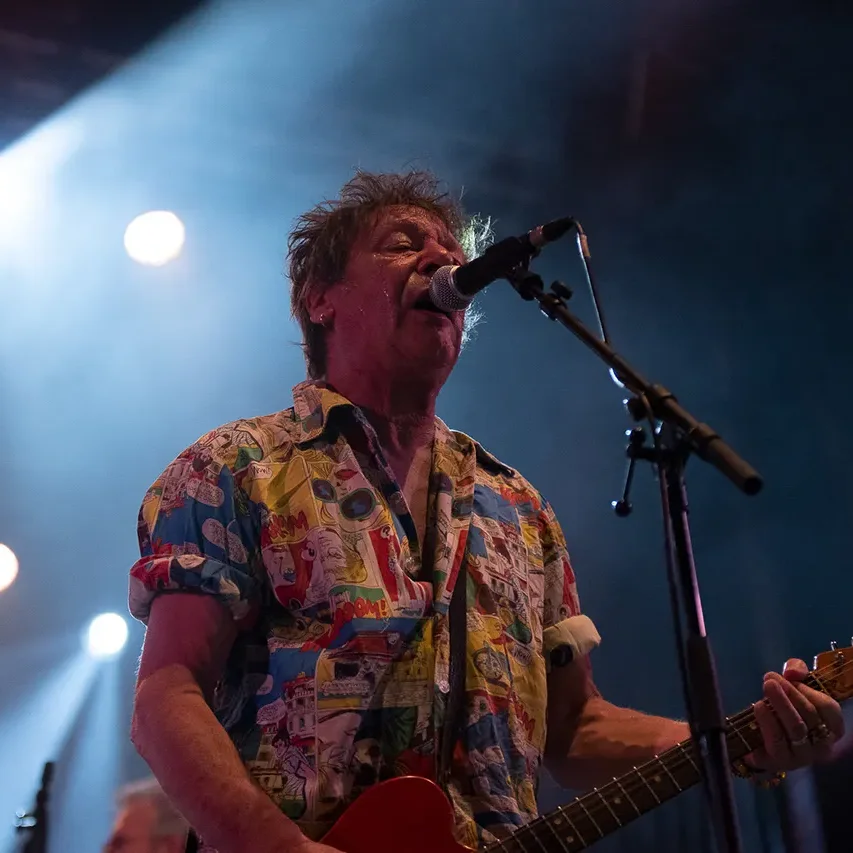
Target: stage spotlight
<point>8,567</point>
<point>154,238</point>
<point>106,636</point>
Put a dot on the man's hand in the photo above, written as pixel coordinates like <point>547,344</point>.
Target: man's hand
<point>798,725</point>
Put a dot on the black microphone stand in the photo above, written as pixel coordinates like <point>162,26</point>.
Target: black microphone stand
<point>35,822</point>
<point>676,435</point>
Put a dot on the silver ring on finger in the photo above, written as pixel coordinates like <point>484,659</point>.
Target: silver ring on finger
<point>819,733</point>
<point>803,741</point>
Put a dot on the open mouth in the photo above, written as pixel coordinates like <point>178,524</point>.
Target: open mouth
<point>424,303</point>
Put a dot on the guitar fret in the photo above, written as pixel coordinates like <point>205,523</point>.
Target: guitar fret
<point>687,755</point>
<point>627,796</point>
<point>516,843</point>
<point>592,820</point>
<point>739,733</point>
<point>668,773</point>
<point>609,807</point>
<point>571,823</point>
<point>646,783</point>
<point>536,838</point>
<point>557,836</point>
<point>531,830</point>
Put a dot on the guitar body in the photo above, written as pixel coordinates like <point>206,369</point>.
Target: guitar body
<point>409,814</point>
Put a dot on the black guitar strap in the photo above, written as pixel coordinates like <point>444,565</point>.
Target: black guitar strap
<point>453,717</point>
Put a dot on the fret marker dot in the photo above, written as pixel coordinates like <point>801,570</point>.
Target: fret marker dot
<point>617,801</point>
<point>557,821</point>
<point>656,780</point>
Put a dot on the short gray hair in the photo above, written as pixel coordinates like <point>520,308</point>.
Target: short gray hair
<point>168,820</point>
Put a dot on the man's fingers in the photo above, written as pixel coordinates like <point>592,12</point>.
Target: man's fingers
<point>798,724</point>
<point>829,710</point>
<point>795,712</point>
<point>795,669</point>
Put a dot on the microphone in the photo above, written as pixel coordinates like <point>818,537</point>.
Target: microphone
<point>453,288</point>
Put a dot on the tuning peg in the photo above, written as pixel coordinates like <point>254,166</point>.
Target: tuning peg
<point>833,645</point>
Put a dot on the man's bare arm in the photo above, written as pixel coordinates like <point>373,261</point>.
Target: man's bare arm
<point>591,740</point>
<point>186,647</point>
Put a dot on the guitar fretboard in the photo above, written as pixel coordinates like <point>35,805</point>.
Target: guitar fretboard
<point>589,818</point>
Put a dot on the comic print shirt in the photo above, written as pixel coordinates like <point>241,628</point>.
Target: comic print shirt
<point>340,674</point>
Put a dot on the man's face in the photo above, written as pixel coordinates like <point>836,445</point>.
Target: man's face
<point>133,832</point>
<point>381,318</point>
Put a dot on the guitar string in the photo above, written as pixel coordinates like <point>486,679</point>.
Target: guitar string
<point>733,728</point>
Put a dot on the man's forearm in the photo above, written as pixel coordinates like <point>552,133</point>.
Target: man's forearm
<point>609,741</point>
<point>198,767</point>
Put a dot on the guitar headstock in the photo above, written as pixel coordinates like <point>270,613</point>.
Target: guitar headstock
<point>833,671</point>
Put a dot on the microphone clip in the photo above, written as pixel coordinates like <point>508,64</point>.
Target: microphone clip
<point>529,286</point>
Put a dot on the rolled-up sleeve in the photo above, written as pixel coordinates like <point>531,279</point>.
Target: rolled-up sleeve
<point>197,533</point>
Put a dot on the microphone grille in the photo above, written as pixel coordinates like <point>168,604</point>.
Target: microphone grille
<point>444,293</point>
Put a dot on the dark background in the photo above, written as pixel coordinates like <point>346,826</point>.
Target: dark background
<point>706,149</point>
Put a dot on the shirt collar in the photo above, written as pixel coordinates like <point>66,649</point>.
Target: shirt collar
<point>313,402</point>
<point>463,443</point>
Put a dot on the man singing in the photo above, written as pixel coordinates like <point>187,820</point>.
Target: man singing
<point>299,573</point>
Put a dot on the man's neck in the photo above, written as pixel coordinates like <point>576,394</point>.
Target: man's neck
<point>403,416</point>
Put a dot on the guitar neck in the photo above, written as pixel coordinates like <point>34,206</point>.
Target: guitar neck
<point>591,817</point>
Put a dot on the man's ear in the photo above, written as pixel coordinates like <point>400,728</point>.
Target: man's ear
<point>320,307</point>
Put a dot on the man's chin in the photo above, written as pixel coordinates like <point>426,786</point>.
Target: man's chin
<point>432,359</point>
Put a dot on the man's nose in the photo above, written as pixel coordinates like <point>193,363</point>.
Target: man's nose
<point>432,256</point>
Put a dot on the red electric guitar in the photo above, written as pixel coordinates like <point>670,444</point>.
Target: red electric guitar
<point>412,814</point>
